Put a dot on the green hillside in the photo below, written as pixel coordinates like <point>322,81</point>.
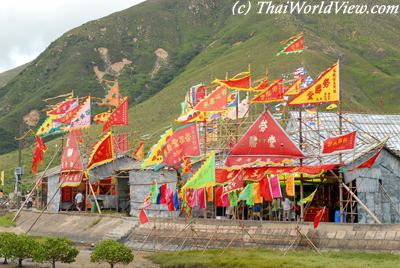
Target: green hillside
<point>10,74</point>
<point>203,41</point>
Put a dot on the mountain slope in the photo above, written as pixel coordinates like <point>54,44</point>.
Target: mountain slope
<point>204,42</point>
<point>10,74</point>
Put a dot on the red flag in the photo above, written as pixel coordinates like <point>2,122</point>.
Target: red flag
<point>62,108</point>
<point>78,135</point>
<point>143,217</point>
<point>236,184</point>
<point>339,143</point>
<point>139,153</point>
<point>318,217</point>
<point>218,196</point>
<point>370,162</point>
<point>103,152</point>
<point>183,143</point>
<point>71,160</point>
<point>40,148</point>
<point>295,44</point>
<point>239,83</point>
<point>264,142</point>
<point>274,93</point>
<point>265,189</point>
<point>262,85</point>
<point>70,114</point>
<point>163,194</point>
<point>119,117</point>
<point>215,101</point>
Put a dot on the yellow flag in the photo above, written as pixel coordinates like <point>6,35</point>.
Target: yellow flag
<point>308,198</point>
<point>290,185</point>
<point>2,178</point>
<point>332,107</point>
<point>324,90</point>
<point>294,89</point>
<point>155,156</point>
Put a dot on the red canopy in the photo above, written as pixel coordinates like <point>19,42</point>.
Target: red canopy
<point>264,143</point>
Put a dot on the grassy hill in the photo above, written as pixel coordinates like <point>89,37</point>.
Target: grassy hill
<point>10,74</point>
<point>167,46</point>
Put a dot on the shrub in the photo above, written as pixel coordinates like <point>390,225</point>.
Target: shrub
<point>22,247</point>
<point>111,252</point>
<point>6,243</point>
<point>54,250</point>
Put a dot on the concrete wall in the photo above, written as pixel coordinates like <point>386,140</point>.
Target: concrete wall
<point>387,171</point>
<point>140,182</point>
<point>52,189</point>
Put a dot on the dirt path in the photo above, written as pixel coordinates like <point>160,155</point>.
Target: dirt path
<point>83,261</point>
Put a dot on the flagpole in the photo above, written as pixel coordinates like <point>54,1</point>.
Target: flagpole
<point>340,155</point>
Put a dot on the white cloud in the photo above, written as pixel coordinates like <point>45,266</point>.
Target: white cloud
<point>29,26</point>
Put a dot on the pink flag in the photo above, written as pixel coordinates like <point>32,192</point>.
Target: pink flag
<point>275,186</point>
<point>225,200</point>
<point>194,202</point>
<point>202,198</point>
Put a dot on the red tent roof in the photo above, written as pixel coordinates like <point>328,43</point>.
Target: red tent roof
<point>265,142</point>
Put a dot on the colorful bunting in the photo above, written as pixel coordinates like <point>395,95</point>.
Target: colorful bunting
<point>274,93</point>
<point>119,117</point>
<point>204,176</point>
<point>103,152</point>
<point>183,143</point>
<point>324,90</point>
<point>215,101</point>
<point>155,156</point>
<point>340,143</point>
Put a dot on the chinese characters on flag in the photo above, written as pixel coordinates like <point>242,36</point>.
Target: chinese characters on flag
<point>324,90</point>
<point>274,93</point>
<point>216,101</point>
<point>339,143</point>
<point>103,152</point>
<point>183,143</point>
<point>119,117</point>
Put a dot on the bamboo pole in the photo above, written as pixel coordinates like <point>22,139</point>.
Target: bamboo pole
<point>94,196</point>
<point>362,204</point>
<point>36,184</point>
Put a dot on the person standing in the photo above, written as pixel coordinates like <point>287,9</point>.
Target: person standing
<point>29,200</point>
<point>287,204</point>
<point>79,201</point>
<point>275,209</point>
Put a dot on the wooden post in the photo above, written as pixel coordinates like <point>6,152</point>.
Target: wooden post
<point>362,204</point>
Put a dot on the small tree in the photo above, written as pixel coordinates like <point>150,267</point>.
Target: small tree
<point>6,243</point>
<point>54,250</point>
<point>111,252</point>
<point>23,247</point>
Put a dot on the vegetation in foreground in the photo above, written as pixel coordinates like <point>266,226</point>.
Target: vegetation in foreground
<point>6,220</point>
<point>273,258</point>
<point>111,252</point>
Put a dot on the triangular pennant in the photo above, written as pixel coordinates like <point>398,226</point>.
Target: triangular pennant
<point>103,152</point>
<point>296,45</point>
<point>112,97</point>
<point>242,83</point>
<point>262,85</point>
<point>155,155</point>
<point>215,101</point>
<point>324,90</point>
<point>139,153</point>
<point>370,162</point>
<point>71,160</point>
<point>204,176</point>
<point>318,217</point>
<point>119,116</point>
<point>274,93</point>
<point>265,141</point>
<point>49,127</point>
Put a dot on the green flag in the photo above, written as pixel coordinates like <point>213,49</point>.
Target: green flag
<point>308,198</point>
<point>233,198</point>
<point>154,193</point>
<point>247,194</point>
<point>204,176</point>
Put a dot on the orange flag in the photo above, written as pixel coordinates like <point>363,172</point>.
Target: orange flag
<point>103,152</point>
<point>139,153</point>
<point>236,83</point>
<point>274,93</point>
<point>294,88</point>
<point>112,98</point>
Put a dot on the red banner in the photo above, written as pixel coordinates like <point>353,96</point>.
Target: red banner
<point>71,160</point>
<point>102,153</point>
<point>215,101</point>
<point>240,83</point>
<point>274,93</point>
<point>339,143</point>
<point>236,184</point>
<point>71,179</point>
<point>119,117</point>
<point>40,147</point>
<point>183,143</point>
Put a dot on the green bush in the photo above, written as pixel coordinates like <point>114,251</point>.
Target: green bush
<point>111,252</point>
<point>6,243</point>
<point>22,247</point>
<point>54,250</point>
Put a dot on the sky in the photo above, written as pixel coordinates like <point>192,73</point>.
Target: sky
<point>29,26</point>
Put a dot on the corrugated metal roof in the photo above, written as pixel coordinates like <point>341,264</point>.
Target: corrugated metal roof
<point>372,130</point>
